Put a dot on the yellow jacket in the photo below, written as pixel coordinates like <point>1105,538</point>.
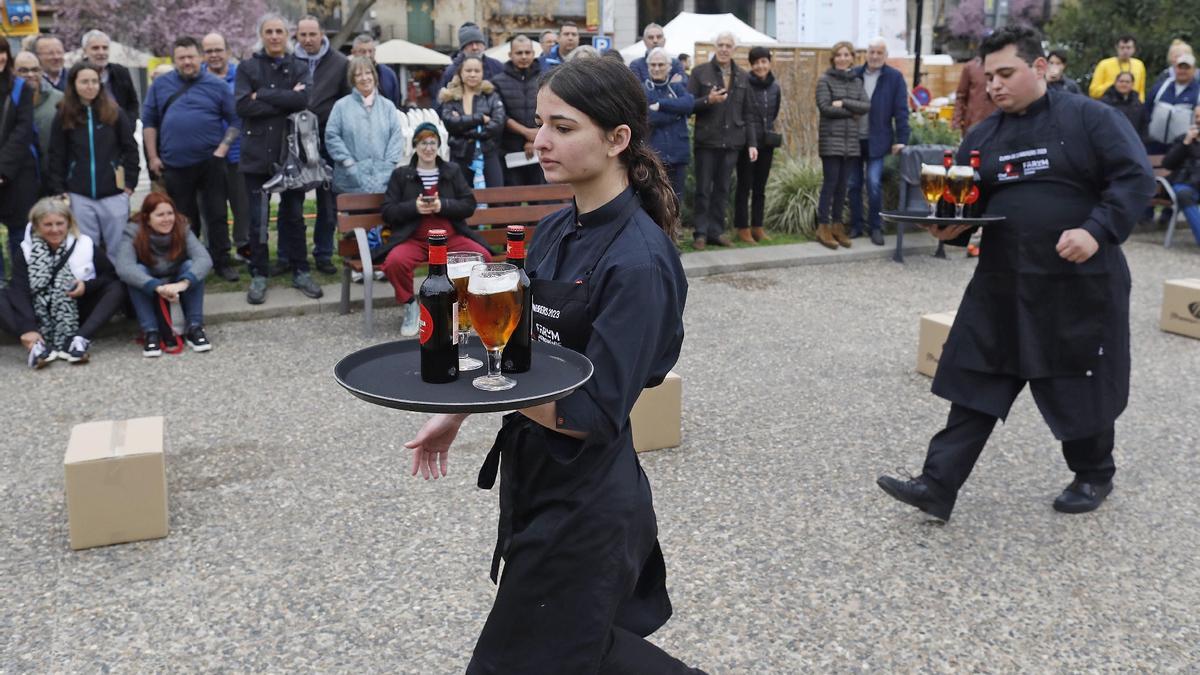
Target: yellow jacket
<point>1106,73</point>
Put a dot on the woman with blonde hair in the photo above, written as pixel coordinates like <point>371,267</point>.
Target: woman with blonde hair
<point>61,292</point>
<point>843,104</point>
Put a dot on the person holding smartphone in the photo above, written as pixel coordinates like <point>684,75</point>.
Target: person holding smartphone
<point>1183,159</point>
<point>427,194</point>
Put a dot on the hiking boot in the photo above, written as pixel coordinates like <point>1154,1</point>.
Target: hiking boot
<point>257,294</point>
<point>411,322</point>
<point>745,237</point>
<point>78,351</point>
<point>303,282</point>
<point>39,355</point>
<point>197,340</point>
<point>151,344</point>
<point>825,237</point>
<point>326,267</point>
<point>839,234</point>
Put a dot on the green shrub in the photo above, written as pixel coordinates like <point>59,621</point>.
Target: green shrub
<point>932,132</point>
<point>792,193</point>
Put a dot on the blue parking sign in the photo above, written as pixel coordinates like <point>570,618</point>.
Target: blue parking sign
<point>602,43</point>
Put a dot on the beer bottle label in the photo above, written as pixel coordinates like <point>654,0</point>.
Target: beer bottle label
<point>426,326</point>
<point>516,250</point>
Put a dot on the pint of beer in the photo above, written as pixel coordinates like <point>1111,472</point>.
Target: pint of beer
<point>933,184</point>
<point>959,180</point>
<point>495,297</point>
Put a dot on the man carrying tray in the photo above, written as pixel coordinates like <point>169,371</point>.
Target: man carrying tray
<point>1049,302</point>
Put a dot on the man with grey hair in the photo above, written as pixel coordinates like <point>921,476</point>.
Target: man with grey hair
<point>326,84</point>
<point>50,54</point>
<point>114,77</point>
<point>654,37</point>
<point>725,123</point>
<point>887,134</point>
<point>385,77</point>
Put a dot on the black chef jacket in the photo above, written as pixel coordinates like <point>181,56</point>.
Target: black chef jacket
<point>577,528</point>
<point>1029,315</point>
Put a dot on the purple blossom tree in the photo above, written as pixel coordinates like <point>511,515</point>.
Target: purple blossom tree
<point>153,25</point>
<point>967,20</point>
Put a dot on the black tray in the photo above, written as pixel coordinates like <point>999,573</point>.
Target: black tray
<point>923,218</point>
<point>389,375</point>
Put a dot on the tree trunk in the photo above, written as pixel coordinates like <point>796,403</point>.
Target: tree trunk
<point>351,24</point>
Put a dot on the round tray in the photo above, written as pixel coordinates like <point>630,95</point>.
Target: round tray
<point>389,375</point>
<point>923,218</point>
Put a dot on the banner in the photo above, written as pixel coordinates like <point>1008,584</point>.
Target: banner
<point>18,19</point>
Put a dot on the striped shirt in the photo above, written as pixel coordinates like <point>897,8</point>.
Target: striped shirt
<point>429,178</point>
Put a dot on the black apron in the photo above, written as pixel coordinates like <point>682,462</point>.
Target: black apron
<point>1029,315</point>
<point>578,537</point>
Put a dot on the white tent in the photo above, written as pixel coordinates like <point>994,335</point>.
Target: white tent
<point>500,51</point>
<point>685,30</point>
<point>405,53</point>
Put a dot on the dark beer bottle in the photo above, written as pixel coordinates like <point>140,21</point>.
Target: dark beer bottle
<point>945,205</point>
<point>974,208</point>
<point>439,317</point>
<point>517,353</point>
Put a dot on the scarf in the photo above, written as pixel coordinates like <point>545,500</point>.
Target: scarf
<point>49,280</point>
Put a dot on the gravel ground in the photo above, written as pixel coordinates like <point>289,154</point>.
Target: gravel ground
<point>298,542</point>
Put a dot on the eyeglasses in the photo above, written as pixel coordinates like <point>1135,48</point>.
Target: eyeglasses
<point>218,50</point>
<point>427,144</point>
<point>29,71</point>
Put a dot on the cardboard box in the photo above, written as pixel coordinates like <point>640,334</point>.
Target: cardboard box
<point>1181,307</point>
<point>116,482</point>
<point>934,330</point>
<point>657,417</point>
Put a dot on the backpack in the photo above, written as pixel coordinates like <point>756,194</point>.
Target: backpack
<point>301,166</point>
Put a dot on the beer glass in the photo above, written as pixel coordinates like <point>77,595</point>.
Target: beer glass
<point>958,181</point>
<point>458,268</point>
<point>494,295</point>
<point>933,184</point>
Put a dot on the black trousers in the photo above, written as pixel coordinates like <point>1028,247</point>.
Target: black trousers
<point>751,186</point>
<point>954,450</point>
<point>836,172</point>
<point>714,171</point>
<point>290,226</point>
<point>99,305</point>
<point>200,190</point>
<point>8,315</point>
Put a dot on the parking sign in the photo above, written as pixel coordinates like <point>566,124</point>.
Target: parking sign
<point>602,43</point>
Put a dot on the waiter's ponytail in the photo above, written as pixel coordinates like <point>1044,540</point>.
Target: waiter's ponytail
<point>610,94</point>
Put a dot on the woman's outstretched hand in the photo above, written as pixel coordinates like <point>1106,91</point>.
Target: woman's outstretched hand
<point>432,444</point>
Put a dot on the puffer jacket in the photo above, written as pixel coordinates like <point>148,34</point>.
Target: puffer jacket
<point>518,90</point>
<point>264,118</point>
<point>668,124</point>
<point>766,96</point>
<point>365,145</point>
<point>84,160</point>
<point>1130,106</point>
<point>841,128</point>
<point>466,129</point>
<point>1184,163</point>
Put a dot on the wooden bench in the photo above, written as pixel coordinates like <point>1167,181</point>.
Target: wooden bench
<point>1164,196</point>
<point>359,212</point>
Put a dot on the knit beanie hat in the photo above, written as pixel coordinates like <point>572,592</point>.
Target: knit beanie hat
<point>469,33</point>
<point>426,129</point>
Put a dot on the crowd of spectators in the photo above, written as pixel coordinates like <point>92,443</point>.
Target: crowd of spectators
<point>214,131</point>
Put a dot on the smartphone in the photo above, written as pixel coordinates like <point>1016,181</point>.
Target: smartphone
<point>428,199</point>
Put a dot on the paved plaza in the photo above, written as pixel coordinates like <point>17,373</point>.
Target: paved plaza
<point>299,543</point>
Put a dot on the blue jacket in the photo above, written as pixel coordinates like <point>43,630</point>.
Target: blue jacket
<point>365,146</point>
<point>196,121</point>
<point>668,124</point>
<point>642,70</point>
<point>889,106</point>
<point>389,84</point>
<point>235,150</point>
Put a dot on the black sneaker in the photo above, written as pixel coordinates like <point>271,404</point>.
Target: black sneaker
<point>197,340</point>
<point>78,351</point>
<point>257,294</point>
<point>916,492</point>
<point>326,267</point>
<point>303,282</point>
<point>227,272</point>
<point>151,345</point>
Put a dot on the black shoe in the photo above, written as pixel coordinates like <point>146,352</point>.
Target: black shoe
<point>227,272</point>
<point>151,346</point>
<point>326,267</point>
<point>303,282</point>
<point>257,294</point>
<point>280,268</point>
<point>855,234</point>
<point>1080,497</point>
<point>877,237</point>
<point>916,492</point>
<point>197,340</point>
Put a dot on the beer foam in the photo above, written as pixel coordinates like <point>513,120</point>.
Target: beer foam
<point>461,269</point>
<point>933,169</point>
<point>482,285</point>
